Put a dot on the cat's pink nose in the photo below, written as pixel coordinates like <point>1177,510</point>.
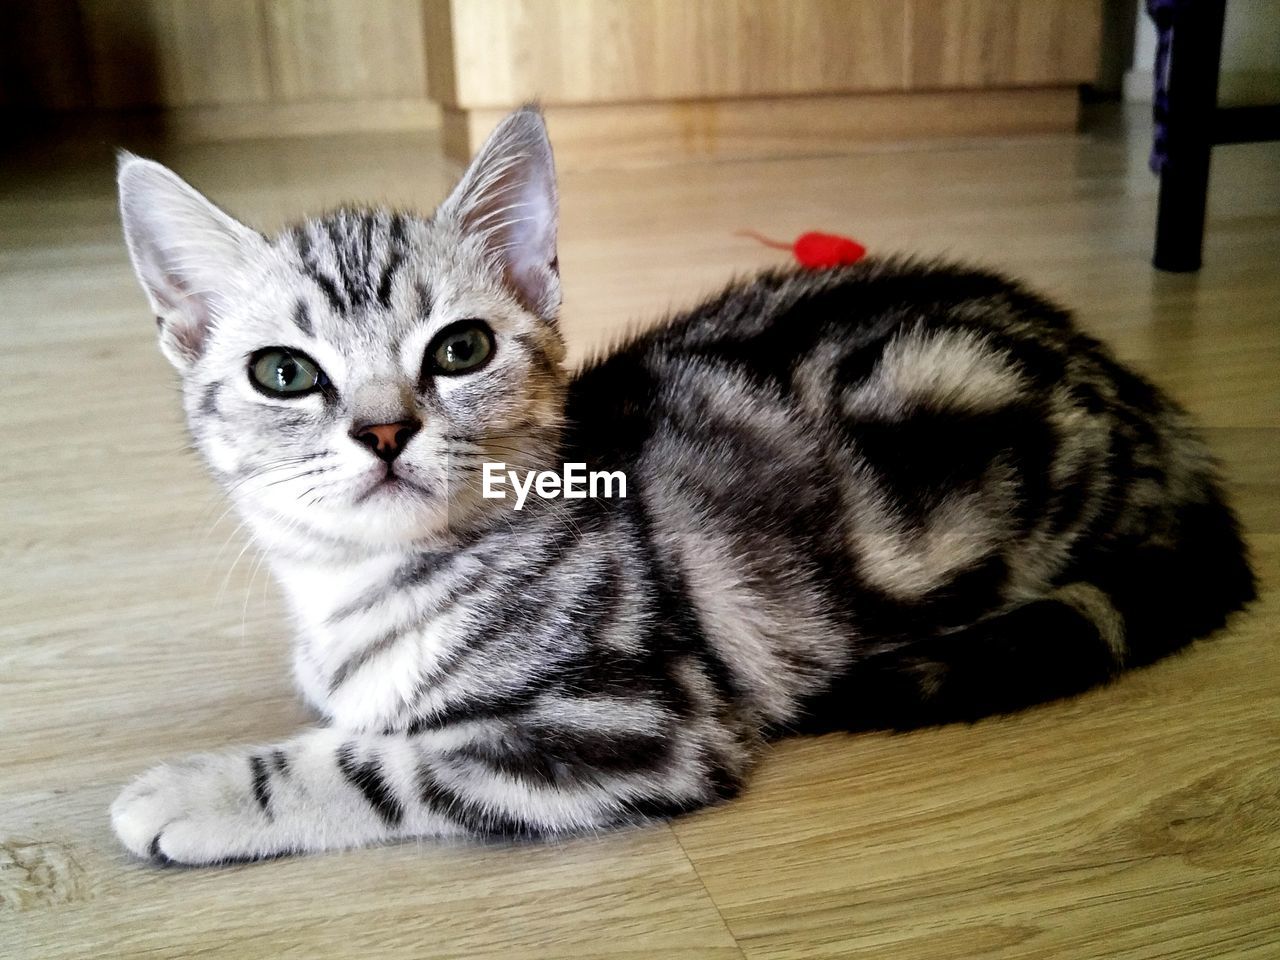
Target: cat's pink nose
<point>386,440</point>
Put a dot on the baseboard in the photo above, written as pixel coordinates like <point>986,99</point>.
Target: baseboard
<point>594,134</point>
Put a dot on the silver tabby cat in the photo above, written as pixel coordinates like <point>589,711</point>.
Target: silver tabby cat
<point>888,495</point>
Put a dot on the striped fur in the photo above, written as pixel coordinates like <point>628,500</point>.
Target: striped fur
<point>890,495</point>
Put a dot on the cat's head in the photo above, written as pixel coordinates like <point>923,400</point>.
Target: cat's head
<point>347,378</point>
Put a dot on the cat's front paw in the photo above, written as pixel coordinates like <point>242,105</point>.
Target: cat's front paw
<point>198,811</point>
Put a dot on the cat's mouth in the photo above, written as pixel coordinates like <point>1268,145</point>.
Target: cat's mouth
<point>391,483</point>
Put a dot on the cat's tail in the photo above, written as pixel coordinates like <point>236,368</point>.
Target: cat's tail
<point>1132,610</point>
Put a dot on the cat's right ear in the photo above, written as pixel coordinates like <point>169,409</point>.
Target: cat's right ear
<point>185,251</point>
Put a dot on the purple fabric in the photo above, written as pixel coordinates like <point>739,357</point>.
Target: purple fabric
<point>1163,12</point>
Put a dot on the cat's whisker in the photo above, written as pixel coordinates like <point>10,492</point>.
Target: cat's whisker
<point>499,456</point>
<point>298,476</point>
<point>271,468</point>
<point>226,580</point>
<point>319,486</point>
<point>214,563</point>
<point>248,592</point>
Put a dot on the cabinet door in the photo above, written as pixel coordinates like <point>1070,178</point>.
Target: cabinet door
<point>955,44</point>
<point>490,53</point>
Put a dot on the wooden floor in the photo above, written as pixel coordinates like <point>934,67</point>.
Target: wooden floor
<point>1142,820</point>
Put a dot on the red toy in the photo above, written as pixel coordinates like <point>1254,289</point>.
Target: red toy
<point>816,251</point>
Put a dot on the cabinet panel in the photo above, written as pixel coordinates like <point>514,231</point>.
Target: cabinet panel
<point>336,49</point>
<point>175,52</point>
<point>590,51</point>
<point>1002,43</point>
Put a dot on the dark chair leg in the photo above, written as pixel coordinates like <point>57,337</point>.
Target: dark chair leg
<point>1194,59</point>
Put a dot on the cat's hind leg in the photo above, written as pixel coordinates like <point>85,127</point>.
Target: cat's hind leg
<point>1038,650</point>
<point>1140,606</point>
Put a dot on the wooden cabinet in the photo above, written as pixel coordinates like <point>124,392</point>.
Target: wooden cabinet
<point>215,69</point>
<point>640,78</point>
<point>621,79</point>
<point>496,53</point>
<point>977,44</point>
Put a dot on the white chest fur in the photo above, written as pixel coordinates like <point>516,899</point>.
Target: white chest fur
<point>316,593</point>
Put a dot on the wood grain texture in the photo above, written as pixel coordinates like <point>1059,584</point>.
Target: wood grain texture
<point>338,50</point>
<point>1002,43</point>
<point>499,53</point>
<point>441,71</point>
<point>175,52</point>
<point>1139,821</point>
<point>590,51</point>
<point>591,135</point>
<point>223,68</point>
<point>192,57</point>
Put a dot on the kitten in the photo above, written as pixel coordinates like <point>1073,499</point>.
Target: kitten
<point>889,495</point>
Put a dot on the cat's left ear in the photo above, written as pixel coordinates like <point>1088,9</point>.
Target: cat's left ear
<point>186,252</point>
<point>508,198</point>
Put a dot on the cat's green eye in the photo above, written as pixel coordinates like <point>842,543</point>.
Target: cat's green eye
<point>460,348</point>
<point>280,372</point>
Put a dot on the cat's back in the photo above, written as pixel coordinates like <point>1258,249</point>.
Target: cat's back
<point>804,398</point>
<point>797,335</point>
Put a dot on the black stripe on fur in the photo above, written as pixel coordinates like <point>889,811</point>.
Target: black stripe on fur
<point>261,784</point>
<point>368,779</point>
